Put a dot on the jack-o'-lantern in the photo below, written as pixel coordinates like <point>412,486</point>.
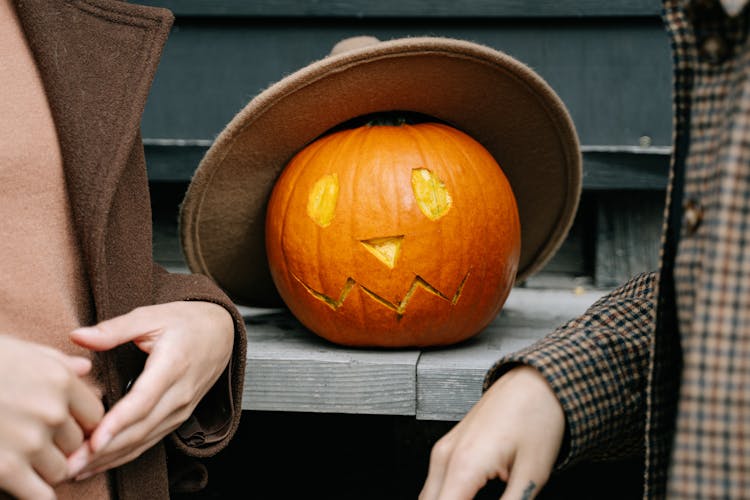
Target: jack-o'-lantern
<point>393,235</point>
<point>409,238</point>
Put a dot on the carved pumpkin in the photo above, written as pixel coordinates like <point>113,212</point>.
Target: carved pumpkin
<point>393,236</point>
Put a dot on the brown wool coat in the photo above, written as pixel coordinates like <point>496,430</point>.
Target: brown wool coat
<point>97,59</point>
<point>660,367</point>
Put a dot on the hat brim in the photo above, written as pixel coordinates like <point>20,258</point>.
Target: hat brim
<point>491,96</point>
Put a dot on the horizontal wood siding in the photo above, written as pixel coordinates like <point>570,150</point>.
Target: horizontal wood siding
<point>614,75</point>
<point>410,8</point>
<point>602,171</point>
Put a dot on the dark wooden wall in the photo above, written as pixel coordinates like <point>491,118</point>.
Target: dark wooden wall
<point>608,61</point>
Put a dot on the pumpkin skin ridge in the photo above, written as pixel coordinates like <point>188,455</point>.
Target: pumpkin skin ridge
<point>354,141</point>
<point>287,176</point>
<point>514,222</point>
<point>365,335</point>
<point>310,155</point>
<point>447,134</point>
<point>420,140</point>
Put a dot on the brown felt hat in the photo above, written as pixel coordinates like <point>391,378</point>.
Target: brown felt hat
<point>489,95</point>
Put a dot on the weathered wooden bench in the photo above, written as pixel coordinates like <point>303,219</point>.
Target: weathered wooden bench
<point>291,369</point>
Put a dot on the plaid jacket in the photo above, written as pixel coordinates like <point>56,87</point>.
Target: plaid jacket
<point>661,366</point>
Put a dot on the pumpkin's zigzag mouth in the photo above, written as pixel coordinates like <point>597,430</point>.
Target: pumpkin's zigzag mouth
<point>398,307</point>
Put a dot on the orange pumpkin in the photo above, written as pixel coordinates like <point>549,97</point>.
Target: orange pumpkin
<point>393,236</point>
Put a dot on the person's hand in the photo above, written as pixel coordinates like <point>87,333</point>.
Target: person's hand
<point>513,433</point>
<point>189,345</point>
<point>46,411</point>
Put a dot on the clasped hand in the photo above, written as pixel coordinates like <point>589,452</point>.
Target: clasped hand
<point>52,424</point>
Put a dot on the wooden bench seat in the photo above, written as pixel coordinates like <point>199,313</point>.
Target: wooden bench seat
<point>291,369</point>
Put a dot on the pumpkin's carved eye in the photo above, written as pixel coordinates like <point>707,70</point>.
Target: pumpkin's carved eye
<point>321,202</point>
<point>433,198</point>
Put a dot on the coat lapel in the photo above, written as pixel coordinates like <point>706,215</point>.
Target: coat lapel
<point>97,59</point>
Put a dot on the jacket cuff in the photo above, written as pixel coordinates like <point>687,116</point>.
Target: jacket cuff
<point>597,365</point>
<point>216,418</point>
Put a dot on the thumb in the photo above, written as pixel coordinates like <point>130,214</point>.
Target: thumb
<point>91,337</point>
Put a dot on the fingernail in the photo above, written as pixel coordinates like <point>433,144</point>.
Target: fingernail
<point>77,462</point>
<point>80,364</point>
<point>86,330</point>
<point>85,475</point>
<point>102,442</point>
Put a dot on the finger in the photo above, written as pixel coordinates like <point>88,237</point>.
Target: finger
<point>77,364</point>
<point>51,464</point>
<point>22,482</point>
<point>164,418</point>
<point>462,484</point>
<point>431,486</point>
<point>85,406</point>
<point>78,460</point>
<point>521,489</point>
<point>118,456</point>
<point>68,437</point>
<point>466,473</point>
<point>525,481</point>
<point>118,330</point>
<point>147,391</point>
<point>436,471</point>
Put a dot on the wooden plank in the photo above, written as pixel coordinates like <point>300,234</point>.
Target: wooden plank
<point>621,170</point>
<point>291,369</point>
<point>449,381</point>
<point>170,162</point>
<point>165,200</point>
<point>628,236</point>
<point>416,8</point>
<point>211,68</point>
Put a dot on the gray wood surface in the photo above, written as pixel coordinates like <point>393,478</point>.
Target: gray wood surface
<point>291,369</point>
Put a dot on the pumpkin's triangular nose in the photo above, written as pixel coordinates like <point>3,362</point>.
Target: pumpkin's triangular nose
<point>386,249</point>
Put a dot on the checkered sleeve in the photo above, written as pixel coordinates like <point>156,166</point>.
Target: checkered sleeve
<point>597,365</point>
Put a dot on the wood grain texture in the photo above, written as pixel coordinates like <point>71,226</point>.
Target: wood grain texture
<point>291,369</point>
<point>628,235</point>
<point>449,381</point>
<point>212,67</point>
<point>422,8</point>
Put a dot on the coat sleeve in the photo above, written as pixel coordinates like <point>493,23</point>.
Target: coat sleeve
<point>217,416</point>
<point>597,365</point>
